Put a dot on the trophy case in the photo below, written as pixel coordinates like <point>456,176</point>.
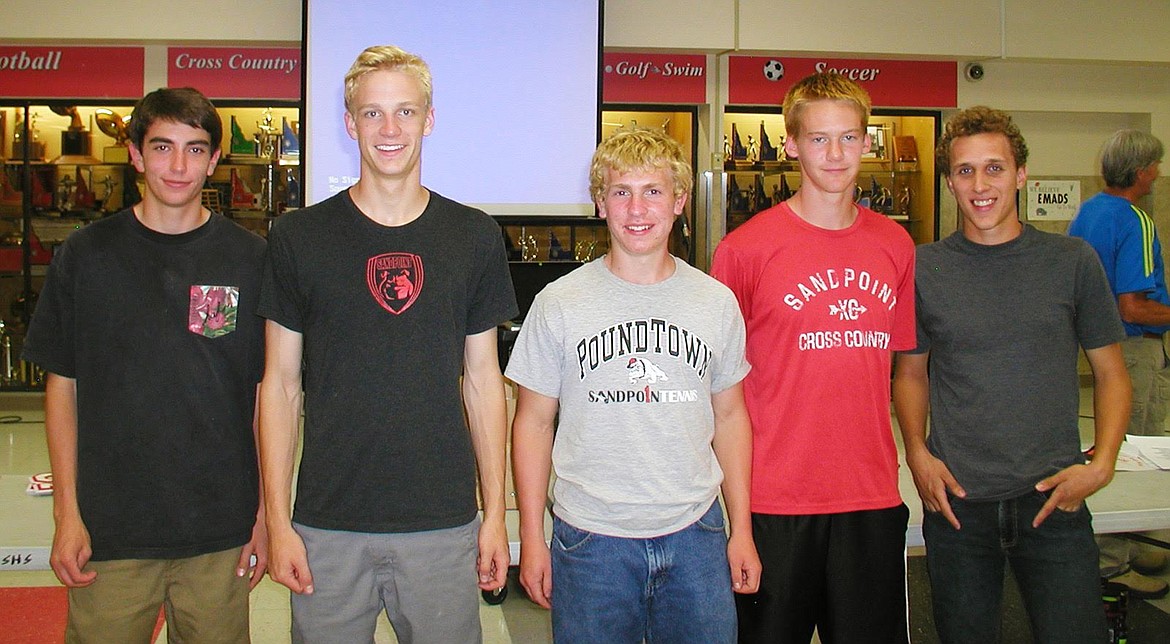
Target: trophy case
<point>259,173</point>
<point>541,249</point>
<point>64,164</point>
<point>897,177</point>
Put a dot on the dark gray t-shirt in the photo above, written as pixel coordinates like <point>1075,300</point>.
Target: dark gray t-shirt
<point>1003,325</point>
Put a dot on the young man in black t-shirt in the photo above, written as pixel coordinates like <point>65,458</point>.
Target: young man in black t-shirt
<point>378,299</point>
<point>148,331</point>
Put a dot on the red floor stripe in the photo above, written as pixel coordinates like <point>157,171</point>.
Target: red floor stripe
<point>37,615</point>
<point>32,615</point>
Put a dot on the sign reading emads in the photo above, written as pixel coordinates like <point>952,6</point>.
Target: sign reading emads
<point>1053,200</point>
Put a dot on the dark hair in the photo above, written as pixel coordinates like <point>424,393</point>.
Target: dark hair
<point>979,120</point>
<point>179,104</point>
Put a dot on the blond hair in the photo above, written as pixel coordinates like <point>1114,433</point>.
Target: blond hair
<point>388,58</point>
<point>639,148</point>
<point>825,86</point>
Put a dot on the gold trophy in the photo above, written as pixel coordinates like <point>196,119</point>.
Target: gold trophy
<point>76,140</point>
<point>113,125</point>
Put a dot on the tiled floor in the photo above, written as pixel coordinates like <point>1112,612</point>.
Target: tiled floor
<point>26,521</point>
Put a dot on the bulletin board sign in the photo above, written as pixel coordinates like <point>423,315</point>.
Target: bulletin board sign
<point>71,72</point>
<point>763,80</point>
<point>1053,200</point>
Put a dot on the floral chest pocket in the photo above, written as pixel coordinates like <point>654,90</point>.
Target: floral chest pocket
<point>213,310</point>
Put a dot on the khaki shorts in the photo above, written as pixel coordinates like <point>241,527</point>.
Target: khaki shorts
<point>203,599</point>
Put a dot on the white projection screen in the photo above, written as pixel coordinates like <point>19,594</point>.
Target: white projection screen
<point>516,95</point>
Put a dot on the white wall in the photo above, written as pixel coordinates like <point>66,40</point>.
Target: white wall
<point>1106,30</point>
<point>875,27</point>
<point>133,21</point>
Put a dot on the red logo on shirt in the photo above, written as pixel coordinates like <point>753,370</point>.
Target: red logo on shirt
<point>395,280</point>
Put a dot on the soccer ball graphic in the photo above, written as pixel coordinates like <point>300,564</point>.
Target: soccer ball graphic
<point>773,70</point>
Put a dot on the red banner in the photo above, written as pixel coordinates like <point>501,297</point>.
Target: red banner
<point>654,78</point>
<point>71,72</point>
<point>763,80</point>
<point>237,72</point>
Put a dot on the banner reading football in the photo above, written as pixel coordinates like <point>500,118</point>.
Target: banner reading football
<point>763,80</point>
<point>71,72</point>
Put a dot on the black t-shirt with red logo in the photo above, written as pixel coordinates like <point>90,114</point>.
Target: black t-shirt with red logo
<point>384,313</point>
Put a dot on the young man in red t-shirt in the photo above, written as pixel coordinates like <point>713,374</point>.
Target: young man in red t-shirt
<point>826,287</point>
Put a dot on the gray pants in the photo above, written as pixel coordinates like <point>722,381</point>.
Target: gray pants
<point>1149,371</point>
<point>425,581</point>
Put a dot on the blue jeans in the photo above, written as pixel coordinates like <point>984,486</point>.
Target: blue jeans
<point>1055,567</point>
<point>672,588</point>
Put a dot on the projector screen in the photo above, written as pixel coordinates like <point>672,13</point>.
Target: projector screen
<point>516,97</point>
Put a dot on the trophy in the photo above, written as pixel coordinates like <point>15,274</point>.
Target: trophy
<point>242,195</point>
<point>268,138</point>
<point>294,187</point>
<point>738,151</point>
<point>555,250</point>
<point>113,125</point>
<point>36,147</point>
<point>881,199</point>
<point>65,193</point>
<point>583,251</point>
<point>769,153</point>
<point>241,144</point>
<point>83,197</point>
<point>902,205</point>
<point>785,192</point>
<point>761,200</point>
<point>529,251</point>
<point>75,140</point>
<point>7,370</point>
<point>107,201</point>
<point>290,143</point>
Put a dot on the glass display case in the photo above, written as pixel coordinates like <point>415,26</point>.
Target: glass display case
<point>541,249</point>
<point>64,165</point>
<point>897,175</point>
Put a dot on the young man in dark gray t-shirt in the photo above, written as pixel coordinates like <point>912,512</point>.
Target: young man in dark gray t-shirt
<point>1003,310</point>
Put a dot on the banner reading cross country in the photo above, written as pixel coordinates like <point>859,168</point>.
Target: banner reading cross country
<point>237,72</point>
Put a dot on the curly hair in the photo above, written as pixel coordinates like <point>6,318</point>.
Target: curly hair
<point>979,120</point>
<point>639,148</point>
